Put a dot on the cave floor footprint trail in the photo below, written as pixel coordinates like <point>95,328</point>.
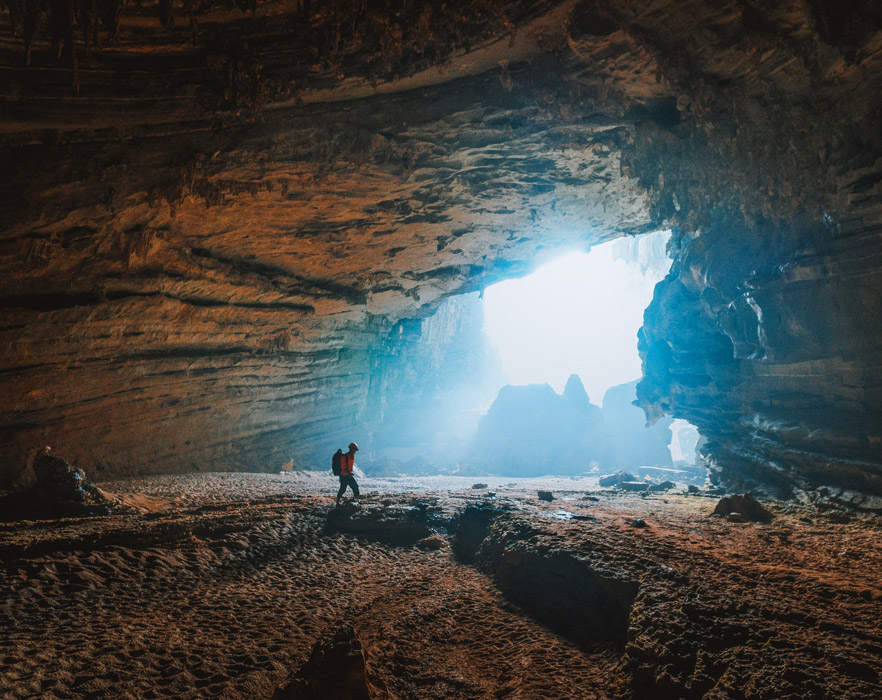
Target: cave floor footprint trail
<point>224,589</point>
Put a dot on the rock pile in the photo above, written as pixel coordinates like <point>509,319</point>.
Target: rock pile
<point>60,490</point>
<point>336,668</point>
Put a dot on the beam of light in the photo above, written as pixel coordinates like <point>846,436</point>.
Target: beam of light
<point>578,314</point>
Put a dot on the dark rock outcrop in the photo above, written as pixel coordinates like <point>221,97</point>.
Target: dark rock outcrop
<point>472,528</point>
<point>532,430</point>
<point>746,506</point>
<point>59,490</point>
<point>570,593</point>
<point>396,524</point>
<point>558,587</point>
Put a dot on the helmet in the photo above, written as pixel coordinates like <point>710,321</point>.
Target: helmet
<point>353,447</point>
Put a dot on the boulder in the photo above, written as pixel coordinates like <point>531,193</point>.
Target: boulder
<point>616,479</point>
<point>746,506</point>
<point>546,496</point>
<point>59,481</point>
<point>433,542</point>
<point>59,490</point>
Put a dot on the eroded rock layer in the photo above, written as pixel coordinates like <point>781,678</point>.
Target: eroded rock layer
<point>760,335</point>
<point>212,224</point>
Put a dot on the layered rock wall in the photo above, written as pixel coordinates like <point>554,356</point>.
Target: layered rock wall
<point>760,335</point>
<point>218,292</point>
<point>432,379</point>
<point>211,226</point>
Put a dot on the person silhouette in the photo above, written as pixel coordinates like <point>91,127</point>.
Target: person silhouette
<point>347,466</point>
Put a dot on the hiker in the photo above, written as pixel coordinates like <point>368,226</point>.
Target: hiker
<point>347,463</point>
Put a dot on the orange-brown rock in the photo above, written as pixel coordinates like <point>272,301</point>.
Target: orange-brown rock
<point>214,223</point>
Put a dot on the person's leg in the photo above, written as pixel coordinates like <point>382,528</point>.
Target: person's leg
<point>342,489</point>
<point>354,486</point>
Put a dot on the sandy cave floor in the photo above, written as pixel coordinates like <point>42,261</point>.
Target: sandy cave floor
<point>223,583</point>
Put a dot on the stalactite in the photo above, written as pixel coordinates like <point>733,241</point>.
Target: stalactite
<point>167,14</point>
<point>27,18</point>
<point>62,19</point>
<point>190,7</point>
<point>88,19</point>
<point>111,13</point>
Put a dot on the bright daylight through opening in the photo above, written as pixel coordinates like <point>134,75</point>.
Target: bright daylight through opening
<point>580,314</point>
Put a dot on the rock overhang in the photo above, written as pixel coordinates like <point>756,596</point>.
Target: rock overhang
<point>267,210</point>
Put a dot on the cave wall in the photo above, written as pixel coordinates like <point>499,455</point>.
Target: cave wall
<point>432,380</point>
<point>211,225</point>
<point>236,329</point>
<point>214,292</point>
<point>762,335</point>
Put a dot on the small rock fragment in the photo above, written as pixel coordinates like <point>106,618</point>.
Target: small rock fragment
<point>479,486</point>
<point>735,518</point>
<point>546,496</point>
<point>663,486</point>
<point>692,488</point>
<point>639,522</point>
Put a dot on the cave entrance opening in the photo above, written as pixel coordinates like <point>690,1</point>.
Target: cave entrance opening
<point>579,315</point>
<point>483,386</point>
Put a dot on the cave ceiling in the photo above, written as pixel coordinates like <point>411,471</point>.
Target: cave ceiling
<point>215,211</point>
